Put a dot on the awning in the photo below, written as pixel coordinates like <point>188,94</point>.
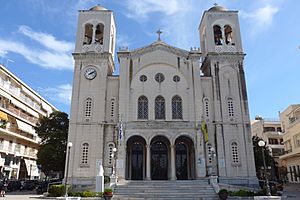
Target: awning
<point>25,127</point>
<point>18,104</point>
<point>32,112</point>
<point>31,167</point>
<point>3,116</point>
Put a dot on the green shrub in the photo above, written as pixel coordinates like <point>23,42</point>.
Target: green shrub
<point>86,194</point>
<point>56,190</point>
<point>107,190</point>
<point>241,193</point>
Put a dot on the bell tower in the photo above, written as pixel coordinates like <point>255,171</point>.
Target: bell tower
<point>222,65</point>
<point>96,31</point>
<point>93,69</point>
<point>220,31</point>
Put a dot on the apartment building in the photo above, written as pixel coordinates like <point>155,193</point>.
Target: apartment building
<point>270,131</point>
<point>290,122</point>
<point>20,109</point>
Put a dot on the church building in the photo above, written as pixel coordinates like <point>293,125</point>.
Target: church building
<point>170,114</point>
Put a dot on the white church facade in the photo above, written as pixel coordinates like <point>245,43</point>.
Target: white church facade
<point>159,100</point>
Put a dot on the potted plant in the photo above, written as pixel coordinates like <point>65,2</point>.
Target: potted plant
<point>108,193</point>
<point>223,194</point>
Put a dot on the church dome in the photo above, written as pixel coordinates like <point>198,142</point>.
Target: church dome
<point>97,8</point>
<point>217,8</point>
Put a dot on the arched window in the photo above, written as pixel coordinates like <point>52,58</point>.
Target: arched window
<point>230,107</point>
<point>88,107</point>
<point>228,34</point>
<point>110,153</point>
<point>112,107</point>
<point>218,35</point>
<point>85,153</point>
<point>235,153</point>
<point>88,34</point>
<point>142,107</point>
<point>160,108</point>
<point>99,34</point>
<point>206,108</point>
<point>176,107</point>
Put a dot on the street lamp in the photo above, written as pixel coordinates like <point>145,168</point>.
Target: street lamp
<point>113,177</point>
<point>114,157</point>
<point>262,143</point>
<point>67,169</point>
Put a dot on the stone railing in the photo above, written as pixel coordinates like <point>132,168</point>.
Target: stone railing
<point>96,47</point>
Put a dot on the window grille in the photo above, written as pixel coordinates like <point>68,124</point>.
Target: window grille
<point>85,152</point>
<point>159,77</point>
<point>88,107</point>
<point>230,107</point>
<point>159,108</point>
<point>235,153</point>
<point>176,107</point>
<point>112,108</point>
<point>142,107</point>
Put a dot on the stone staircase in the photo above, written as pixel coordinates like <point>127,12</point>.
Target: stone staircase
<point>165,190</point>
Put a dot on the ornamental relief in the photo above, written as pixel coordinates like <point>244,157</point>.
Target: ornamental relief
<point>160,125</point>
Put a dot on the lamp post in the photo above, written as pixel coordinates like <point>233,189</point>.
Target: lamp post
<point>262,143</point>
<point>67,168</point>
<point>113,177</point>
<point>114,164</point>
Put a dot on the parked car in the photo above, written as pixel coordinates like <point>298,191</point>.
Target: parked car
<point>29,185</point>
<point>43,186</point>
<point>13,185</point>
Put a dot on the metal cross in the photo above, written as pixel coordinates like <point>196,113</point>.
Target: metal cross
<point>215,4</point>
<point>159,32</point>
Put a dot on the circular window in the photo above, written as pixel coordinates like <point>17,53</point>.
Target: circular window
<point>143,78</point>
<point>159,77</point>
<point>176,78</point>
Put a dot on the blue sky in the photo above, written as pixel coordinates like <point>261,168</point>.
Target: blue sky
<point>37,38</point>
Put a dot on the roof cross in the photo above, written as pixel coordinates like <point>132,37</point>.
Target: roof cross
<point>215,4</point>
<point>159,32</point>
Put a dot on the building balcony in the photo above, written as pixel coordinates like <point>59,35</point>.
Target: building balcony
<point>225,48</point>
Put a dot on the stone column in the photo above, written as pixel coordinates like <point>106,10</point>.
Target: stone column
<point>94,34</point>
<point>173,174</point>
<point>148,164</point>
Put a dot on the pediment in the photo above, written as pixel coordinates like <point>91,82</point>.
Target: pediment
<point>159,45</point>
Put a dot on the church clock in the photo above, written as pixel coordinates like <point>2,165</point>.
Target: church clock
<point>90,73</point>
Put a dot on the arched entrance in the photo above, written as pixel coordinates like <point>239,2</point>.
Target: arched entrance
<point>159,158</point>
<point>184,160</point>
<point>136,158</point>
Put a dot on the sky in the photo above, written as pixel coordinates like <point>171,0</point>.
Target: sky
<point>37,38</point>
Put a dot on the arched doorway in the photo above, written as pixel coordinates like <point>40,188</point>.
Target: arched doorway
<point>159,158</point>
<point>136,158</point>
<point>184,160</point>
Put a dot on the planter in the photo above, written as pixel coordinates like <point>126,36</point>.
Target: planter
<point>108,195</point>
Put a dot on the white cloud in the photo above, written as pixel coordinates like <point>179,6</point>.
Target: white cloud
<point>178,21</point>
<point>141,9</point>
<point>46,40</point>
<point>56,55</point>
<point>123,40</point>
<point>61,93</point>
<point>261,18</point>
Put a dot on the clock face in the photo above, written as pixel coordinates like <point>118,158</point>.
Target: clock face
<point>90,73</point>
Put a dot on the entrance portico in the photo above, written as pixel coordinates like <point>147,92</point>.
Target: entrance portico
<point>159,159</point>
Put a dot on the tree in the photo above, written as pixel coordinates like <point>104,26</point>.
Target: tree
<point>258,156</point>
<point>53,131</point>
